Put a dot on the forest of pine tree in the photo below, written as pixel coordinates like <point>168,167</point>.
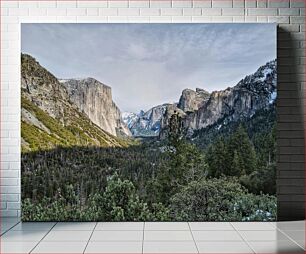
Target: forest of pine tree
<point>224,175</point>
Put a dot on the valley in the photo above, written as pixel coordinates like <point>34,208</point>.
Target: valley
<point>84,159</point>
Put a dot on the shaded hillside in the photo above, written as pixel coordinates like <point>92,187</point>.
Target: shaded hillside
<point>49,119</point>
<point>40,131</point>
<point>262,122</point>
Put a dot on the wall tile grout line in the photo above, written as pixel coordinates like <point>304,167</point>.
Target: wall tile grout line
<point>90,237</point>
<point>42,238</point>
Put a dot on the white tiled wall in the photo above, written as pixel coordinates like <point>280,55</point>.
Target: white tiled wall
<point>290,14</point>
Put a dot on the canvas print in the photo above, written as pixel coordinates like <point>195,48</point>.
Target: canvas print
<point>148,122</point>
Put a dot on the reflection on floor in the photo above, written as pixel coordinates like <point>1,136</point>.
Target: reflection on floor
<point>152,237</point>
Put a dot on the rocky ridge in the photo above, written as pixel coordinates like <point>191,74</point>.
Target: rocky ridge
<point>48,117</point>
<point>200,109</point>
<point>191,100</point>
<point>255,92</point>
<point>95,100</point>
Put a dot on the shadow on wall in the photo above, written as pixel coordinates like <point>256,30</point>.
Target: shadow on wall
<point>290,129</point>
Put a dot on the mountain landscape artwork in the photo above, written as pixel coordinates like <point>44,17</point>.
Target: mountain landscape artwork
<point>148,122</point>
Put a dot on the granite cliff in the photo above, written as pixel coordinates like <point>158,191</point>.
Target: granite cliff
<point>200,109</point>
<point>95,100</point>
<point>50,119</point>
<point>254,92</point>
<point>191,100</point>
<point>71,99</point>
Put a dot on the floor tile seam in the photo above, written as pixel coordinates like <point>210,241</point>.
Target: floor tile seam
<point>14,225</point>
<point>243,240</point>
<point>42,238</point>
<point>196,245</point>
<point>246,242</point>
<point>290,230</point>
<point>142,242</point>
<point>135,241</point>
<point>272,229</point>
<point>214,230</point>
<point>166,230</point>
<point>274,225</point>
<point>93,230</point>
<point>290,238</point>
<point>208,240</point>
<point>124,230</point>
<point>71,230</point>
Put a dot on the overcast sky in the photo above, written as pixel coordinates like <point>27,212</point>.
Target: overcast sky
<point>150,64</point>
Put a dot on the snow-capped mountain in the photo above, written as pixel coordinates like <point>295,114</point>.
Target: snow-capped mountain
<point>145,123</point>
<point>200,108</point>
<point>129,118</point>
<point>255,92</point>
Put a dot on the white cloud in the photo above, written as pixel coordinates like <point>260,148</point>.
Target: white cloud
<point>149,64</point>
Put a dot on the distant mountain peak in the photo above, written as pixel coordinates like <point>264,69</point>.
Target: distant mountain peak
<point>199,108</point>
<point>191,100</point>
<point>201,90</point>
<point>145,123</point>
<point>202,109</point>
<point>49,118</point>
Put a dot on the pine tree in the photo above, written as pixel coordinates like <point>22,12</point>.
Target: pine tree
<point>186,162</point>
<point>236,166</point>
<point>217,158</point>
<point>241,144</point>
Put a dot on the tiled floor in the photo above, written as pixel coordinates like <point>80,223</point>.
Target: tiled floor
<point>152,237</point>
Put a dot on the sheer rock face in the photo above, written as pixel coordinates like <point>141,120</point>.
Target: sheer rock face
<point>95,100</point>
<point>201,109</point>
<point>191,100</point>
<point>43,89</point>
<point>254,92</point>
<point>65,98</point>
<point>170,110</point>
